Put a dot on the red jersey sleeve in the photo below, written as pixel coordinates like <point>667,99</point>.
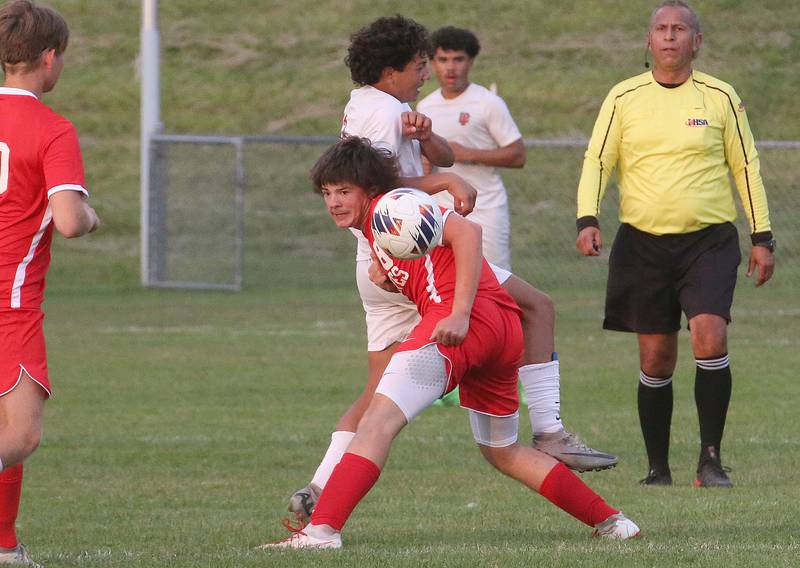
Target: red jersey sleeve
<point>62,162</point>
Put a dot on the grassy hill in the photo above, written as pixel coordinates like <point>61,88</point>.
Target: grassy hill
<point>234,66</point>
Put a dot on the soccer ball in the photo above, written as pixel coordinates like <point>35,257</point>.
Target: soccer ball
<point>407,223</point>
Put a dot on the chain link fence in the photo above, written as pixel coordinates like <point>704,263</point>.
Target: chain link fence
<point>228,210</point>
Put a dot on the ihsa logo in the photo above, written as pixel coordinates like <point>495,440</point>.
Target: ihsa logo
<point>696,122</point>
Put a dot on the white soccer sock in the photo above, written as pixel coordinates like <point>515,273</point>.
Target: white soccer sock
<point>1,466</point>
<point>320,531</point>
<point>542,385</point>
<point>339,442</point>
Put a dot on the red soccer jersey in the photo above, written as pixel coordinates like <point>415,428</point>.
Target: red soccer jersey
<point>485,363</point>
<point>430,281</point>
<point>40,155</point>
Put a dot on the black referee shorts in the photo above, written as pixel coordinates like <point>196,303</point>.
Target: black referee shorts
<point>651,278</point>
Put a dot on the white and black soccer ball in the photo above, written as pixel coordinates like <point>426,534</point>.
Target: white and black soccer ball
<point>407,223</point>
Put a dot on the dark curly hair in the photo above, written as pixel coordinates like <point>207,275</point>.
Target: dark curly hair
<point>386,42</point>
<point>450,38</point>
<point>355,160</point>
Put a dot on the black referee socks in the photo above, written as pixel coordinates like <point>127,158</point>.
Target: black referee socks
<point>712,394</point>
<point>655,418</point>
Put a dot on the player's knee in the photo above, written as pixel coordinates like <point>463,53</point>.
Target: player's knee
<point>378,426</point>
<point>28,441</point>
<point>500,458</point>
<point>537,305</point>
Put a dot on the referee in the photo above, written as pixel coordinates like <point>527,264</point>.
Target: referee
<point>674,135</point>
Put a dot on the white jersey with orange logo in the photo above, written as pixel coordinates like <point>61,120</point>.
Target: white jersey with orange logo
<point>478,118</point>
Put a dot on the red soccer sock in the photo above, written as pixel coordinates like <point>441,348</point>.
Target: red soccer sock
<point>10,491</point>
<point>352,478</point>
<point>566,490</point>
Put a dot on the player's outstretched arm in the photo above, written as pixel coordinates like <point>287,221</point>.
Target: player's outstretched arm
<point>72,216</point>
<point>511,156</point>
<point>464,238</point>
<point>464,195</point>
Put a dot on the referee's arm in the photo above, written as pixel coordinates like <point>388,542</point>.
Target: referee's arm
<point>744,163</point>
<point>598,164</point>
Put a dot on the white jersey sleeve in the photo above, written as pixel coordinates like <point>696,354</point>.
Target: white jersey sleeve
<point>500,123</point>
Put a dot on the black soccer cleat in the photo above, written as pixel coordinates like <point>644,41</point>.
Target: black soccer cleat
<point>710,472</point>
<point>657,477</point>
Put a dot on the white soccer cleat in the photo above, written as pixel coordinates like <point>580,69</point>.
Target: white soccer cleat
<point>616,527</point>
<point>302,540</point>
<point>18,556</point>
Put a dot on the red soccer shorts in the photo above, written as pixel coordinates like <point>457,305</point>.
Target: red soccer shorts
<point>22,348</point>
<point>485,364</point>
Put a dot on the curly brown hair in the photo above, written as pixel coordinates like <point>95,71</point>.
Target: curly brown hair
<point>386,42</point>
<point>356,161</point>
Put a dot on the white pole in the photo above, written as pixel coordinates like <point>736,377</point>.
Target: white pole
<point>150,108</point>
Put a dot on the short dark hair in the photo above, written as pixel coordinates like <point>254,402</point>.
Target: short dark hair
<point>694,19</point>
<point>27,30</point>
<point>386,42</point>
<point>355,160</point>
<point>450,38</point>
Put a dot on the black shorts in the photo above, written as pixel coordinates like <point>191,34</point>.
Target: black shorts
<point>651,278</point>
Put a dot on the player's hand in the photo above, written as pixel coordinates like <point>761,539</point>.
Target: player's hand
<point>461,153</point>
<point>590,242</point>
<point>451,330</point>
<point>378,276</point>
<point>761,258</point>
<point>96,223</point>
<point>416,126</point>
<point>464,195</point>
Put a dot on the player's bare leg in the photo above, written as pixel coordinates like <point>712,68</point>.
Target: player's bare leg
<point>353,478</point>
<point>541,382</point>
<point>545,475</point>
<point>21,413</point>
<point>302,502</point>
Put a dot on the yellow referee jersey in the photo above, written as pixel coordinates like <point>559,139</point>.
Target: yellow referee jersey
<point>673,149</point>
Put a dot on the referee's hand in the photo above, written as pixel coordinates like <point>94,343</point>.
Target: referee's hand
<point>763,259</point>
<point>590,242</point>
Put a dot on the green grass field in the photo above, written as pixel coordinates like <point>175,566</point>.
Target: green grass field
<point>182,421</point>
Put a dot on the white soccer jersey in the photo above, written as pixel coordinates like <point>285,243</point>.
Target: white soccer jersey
<point>478,118</point>
<point>375,115</point>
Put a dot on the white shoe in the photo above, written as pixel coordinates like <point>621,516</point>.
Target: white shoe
<point>617,527</point>
<point>302,540</point>
<point>18,556</point>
